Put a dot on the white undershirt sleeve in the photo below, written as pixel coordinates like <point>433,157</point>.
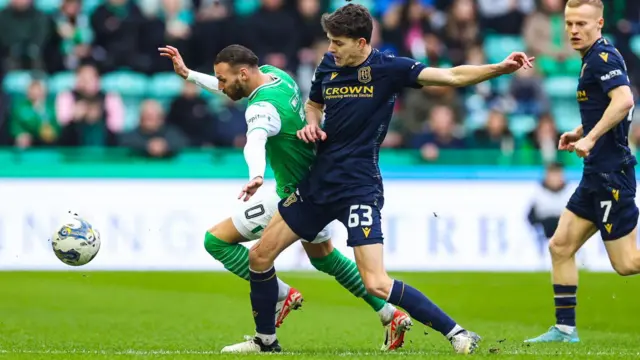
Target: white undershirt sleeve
<point>208,82</point>
<point>263,121</point>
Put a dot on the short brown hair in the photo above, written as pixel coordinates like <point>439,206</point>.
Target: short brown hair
<point>353,21</point>
<point>578,3</point>
<point>237,55</point>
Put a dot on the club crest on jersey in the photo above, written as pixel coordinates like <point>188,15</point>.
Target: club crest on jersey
<point>290,200</point>
<point>364,74</point>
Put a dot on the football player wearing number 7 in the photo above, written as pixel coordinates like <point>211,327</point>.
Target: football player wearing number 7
<point>274,114</point>
<point>605,198</point>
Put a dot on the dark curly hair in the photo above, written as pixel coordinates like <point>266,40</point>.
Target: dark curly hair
<point>352,21</point>
<point>237,55</point>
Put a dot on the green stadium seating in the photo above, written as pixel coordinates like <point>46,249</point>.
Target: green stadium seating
<point>48,6</point>
<point>561,86</point>
<point>520,125</point>
<point>60,82</point>
<point>497,47</point>
<point>126,83</point>
<point>15,83</point>
<point>132,113</point>
<point>246,7</point>
<point>635,45</point>
<point>566,113</point>
<point>164,86</point>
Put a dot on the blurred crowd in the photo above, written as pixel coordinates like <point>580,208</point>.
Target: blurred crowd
<point>92,40</point>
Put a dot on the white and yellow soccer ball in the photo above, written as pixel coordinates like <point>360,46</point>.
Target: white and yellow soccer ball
<point>75,242</point>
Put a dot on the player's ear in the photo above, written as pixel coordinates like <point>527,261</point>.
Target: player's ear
<point>600,23</point>
<point>362,43</point>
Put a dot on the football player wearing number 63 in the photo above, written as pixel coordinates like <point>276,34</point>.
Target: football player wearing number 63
<point>605,198</point>
<point>274,114</point>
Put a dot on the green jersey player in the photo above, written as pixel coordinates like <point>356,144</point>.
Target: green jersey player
<point>274,114</point>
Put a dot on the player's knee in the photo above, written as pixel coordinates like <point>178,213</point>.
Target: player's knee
<point>560,249</point>
<point>378,286</point>
<point>259,258</point>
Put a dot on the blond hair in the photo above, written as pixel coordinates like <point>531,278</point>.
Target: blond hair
<point>577,3</point>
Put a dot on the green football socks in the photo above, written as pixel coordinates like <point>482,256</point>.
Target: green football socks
<point>346,273</point>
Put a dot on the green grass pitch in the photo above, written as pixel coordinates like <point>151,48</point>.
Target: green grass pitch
<point>192,315</point>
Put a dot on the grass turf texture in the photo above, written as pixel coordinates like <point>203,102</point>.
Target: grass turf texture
<point>188,315</point>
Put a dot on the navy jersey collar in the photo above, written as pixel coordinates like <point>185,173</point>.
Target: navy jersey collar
<point>593,46</point>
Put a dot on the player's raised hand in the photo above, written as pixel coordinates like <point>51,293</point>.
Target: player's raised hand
<point>583,146</point>
<point>178,64</point>
<point>311,133</point>
<point>568,140</point>
<point>250,188</point>
<point>515,61</point>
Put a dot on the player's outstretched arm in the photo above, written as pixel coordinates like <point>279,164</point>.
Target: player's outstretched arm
<point>466,75</point>
<point>208,82</point>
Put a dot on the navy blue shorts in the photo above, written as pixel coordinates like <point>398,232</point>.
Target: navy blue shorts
<point>307,219</point>
<point>608,201</point>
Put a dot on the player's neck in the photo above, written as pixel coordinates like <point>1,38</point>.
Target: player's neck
<point>363,57</point>
<point>586,50</point>
<point>258,81</point>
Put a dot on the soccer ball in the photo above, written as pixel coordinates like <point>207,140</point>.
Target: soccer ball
<point>76,242</point>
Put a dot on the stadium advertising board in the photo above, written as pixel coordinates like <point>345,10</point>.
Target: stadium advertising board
<point>429,225</point>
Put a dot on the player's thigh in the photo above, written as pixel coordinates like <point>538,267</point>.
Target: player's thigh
<point>577,222</point>
<point>615,204</point>
<point>253,217</point>
<point>305,218</point>
<point>227,231</point>
<point>624,254</point>
<point>276,237</point>
<point>619,218</point>
<point>321,246</point>
<point>571,234</point>
<point>363,222</point>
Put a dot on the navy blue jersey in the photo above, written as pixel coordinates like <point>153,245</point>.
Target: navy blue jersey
<point>359,102</point>
<point>603,70</point>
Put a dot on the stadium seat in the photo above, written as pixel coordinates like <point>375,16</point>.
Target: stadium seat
<point>60,82</point>
<point>48,6</point>
<point>246,7</point>
<point>566,114</point>
<point>497,47</point>
<point>561,86</point>
<point>635,44</point>
<point>520,125</point>
<point>132,113</point>
<point>89,5</point>
<point>126,83</point>
<point>17,82</point>
<point>165,85</point>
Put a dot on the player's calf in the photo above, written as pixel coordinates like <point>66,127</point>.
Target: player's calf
<point>222,242</point>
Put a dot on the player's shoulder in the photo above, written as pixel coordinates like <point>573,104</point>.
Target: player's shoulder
<point>604,52</point>
<point>327,63</point>
<point>259,108</point>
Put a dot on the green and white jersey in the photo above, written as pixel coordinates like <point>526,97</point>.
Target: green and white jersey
<point>276,108</point>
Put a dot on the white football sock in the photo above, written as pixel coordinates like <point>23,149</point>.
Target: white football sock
<point>566,329</point>
<point>283,290</point>
<point>386,313</point>
<point>456,329</point>
<point>266,339</point>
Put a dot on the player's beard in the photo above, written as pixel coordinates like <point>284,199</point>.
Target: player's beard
<point>235,91</point>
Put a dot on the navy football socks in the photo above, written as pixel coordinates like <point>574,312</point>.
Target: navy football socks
<point>565,300</point>
<point>421,308</point>
<point>264,296</point>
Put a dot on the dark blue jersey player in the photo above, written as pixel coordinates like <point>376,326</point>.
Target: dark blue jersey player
<point>605,198</point>
<point>355,86</point>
